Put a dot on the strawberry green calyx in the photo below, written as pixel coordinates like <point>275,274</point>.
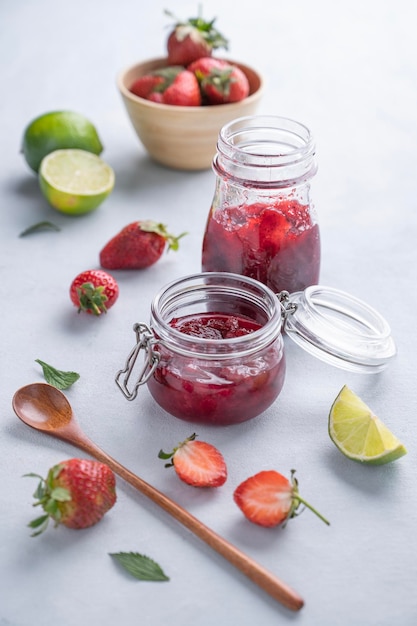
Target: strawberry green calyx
<point>205,29</point>
<point>150,226</point>
<point>221,79</point>
<point>49,498</point>
<point>92,298</point>
<point>170,455</point>
<point>168,75</point>
<point>297,500</point>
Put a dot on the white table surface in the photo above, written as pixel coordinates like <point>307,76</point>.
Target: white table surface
<point>348,71</point>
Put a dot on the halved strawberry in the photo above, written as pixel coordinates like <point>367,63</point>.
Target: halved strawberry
<point>197,463</point>
<point>269,499</point>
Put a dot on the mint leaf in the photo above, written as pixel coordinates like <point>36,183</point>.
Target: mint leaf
<point>57,378</point>
<point>140,566</point>
<point>37,227</point>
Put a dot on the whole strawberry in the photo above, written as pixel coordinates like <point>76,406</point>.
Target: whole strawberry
<point>193,39</point>
<point>220,82</point>
<point>94,291</point>
<point>197,463</point>
<point>269,499</point>
<point>76,493</point>
<point>146,85</point>
<point>138,245</point>
<point>169,85</point>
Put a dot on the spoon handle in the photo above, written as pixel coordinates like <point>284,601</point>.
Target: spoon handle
<point>255,572</point>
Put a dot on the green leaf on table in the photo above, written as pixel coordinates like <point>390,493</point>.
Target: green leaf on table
<point>57,378</point>
<point>37,227</point>
<point>140,566</point>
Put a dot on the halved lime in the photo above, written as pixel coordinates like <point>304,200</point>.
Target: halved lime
<point>58,130</point>
<point>359,433</point>
<point>75,181</point>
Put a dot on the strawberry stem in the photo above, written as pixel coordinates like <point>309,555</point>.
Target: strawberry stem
<point>299,499</point>
<point>149,226</point>
<point>170,455</point>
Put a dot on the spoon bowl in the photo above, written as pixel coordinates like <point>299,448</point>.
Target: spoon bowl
<point>45,408</point>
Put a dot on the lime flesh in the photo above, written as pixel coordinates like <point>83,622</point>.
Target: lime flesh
<point>359,433</point>
<point>58,130</point>
<point>75,181</point>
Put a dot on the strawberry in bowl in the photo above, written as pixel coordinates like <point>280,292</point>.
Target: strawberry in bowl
<point>169,85</point>
<point>221,82</point>
<point>192,39</point>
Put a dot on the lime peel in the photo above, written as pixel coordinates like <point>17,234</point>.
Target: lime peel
<point>58,130</point>
<point>359,434</point>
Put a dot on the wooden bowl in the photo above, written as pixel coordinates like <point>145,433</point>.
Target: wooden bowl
<point>181,137</point>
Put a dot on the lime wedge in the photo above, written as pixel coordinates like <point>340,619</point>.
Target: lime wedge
<point>75,181</point>
<point>58,130</point>
<point>359,434</point>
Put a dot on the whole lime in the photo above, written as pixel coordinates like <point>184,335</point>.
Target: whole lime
<point>58,130</point>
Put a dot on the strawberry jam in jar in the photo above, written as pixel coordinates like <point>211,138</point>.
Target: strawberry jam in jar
<point>213,351</point>
<point>262,223</point>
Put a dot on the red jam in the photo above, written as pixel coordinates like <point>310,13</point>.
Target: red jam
<point>215,326</point>
<point>218,391</point>
<point>277,244</point>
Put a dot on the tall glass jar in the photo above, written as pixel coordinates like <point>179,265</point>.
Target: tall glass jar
<point>262,223</point>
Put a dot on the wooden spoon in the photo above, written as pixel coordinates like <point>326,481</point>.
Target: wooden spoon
<point>45,408</point>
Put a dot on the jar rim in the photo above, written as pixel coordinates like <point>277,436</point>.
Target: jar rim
<point>196,289</point>
<point>266,148</point>
<point>294,138</point>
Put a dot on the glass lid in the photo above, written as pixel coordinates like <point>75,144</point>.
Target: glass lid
<point>338,329</point>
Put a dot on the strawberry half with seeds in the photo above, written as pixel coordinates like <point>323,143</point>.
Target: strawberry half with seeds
<point>94,291</point>
<point>76,493</point>
<point>197,463</point>
<point>269,499</point>
<point>193,39</point>
<point>220,82</point>
<point>169,85</point>
<point>138,245</point>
